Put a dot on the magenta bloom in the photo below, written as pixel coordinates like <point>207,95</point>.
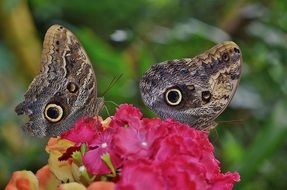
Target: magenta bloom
<point>138,141</point>
<point>99,146</point>
<point>141,175</point>
<point>149,153</point>
<point>84,131</point>
<point>127,115</point>
<point>89,131</point>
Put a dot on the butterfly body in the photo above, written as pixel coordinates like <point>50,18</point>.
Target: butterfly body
<point>194,90</point>
<point>64,90</point>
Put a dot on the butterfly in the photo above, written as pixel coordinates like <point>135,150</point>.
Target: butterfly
<point>194,90</point>
<point>191,90</point>
<point>64,90</point>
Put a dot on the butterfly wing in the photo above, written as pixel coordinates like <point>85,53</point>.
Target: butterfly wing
<point>194,91</point>
<point>64,90</point>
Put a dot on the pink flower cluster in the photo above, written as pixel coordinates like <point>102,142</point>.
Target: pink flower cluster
<point>139,153</point>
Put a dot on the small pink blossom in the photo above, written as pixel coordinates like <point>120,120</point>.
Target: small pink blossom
<point>139,142</point>
<point>126,115</point>
<point>101,145</point>
<point>84,131</point>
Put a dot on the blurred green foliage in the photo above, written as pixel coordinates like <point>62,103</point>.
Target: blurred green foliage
<point>126,37</point>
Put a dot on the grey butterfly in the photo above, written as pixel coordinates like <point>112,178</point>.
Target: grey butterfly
<point>194,90</point>
<point>64,90</point>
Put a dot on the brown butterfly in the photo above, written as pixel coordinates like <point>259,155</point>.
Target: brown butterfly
<point>64,90</point>
<point>194,90</point>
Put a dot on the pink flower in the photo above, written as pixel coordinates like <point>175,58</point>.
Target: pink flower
<point>182,174</point>
<point>183,140</point>
<point>141,175</point>
<point>126,115</point>
<point>85,130</point>
<point>127,112</point>
<point>133,153</point>
<point>129,152</point>
<point>224,181</point>
<point>181,155</point>
<point>138,141</point>
<point>101,145</point>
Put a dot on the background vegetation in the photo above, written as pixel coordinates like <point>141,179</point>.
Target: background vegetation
<point>126,37</point>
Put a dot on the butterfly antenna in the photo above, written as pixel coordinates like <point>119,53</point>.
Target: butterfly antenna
<point>112,102</point>
<point>231,122</point>
<point>112,83</point>
<point>106,108</point>
<point>216,135</point>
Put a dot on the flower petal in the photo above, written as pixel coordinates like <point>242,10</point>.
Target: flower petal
<point>102,185</point>
<point>47,180</point>
<point>84,131</point>
<point>72,186</point>
<point>23,180</point>
<point>61,169</point>
<point>138,142</point>
<point>126,114</point>
<point>141,175</point>
<point>95,164</point>
<point>58,145</point>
